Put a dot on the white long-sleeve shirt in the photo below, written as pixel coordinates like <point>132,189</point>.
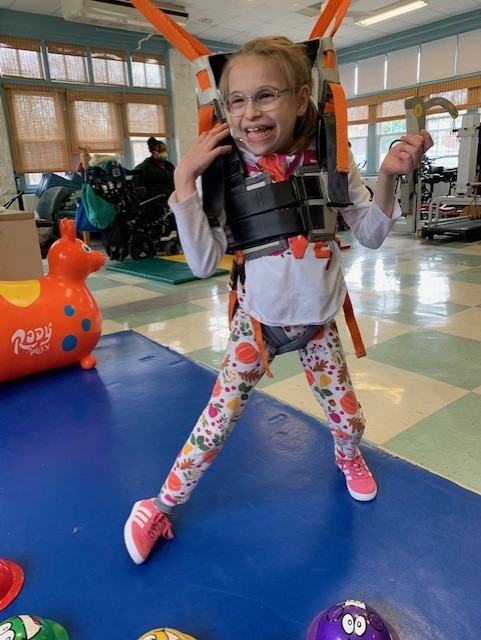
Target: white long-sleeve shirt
<point>282,290</point>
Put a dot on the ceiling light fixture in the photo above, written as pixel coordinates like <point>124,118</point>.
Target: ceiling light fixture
<point>393,12</point>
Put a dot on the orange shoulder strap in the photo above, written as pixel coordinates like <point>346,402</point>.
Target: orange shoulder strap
<point>192,49</point>
<point>197,52</point>
<point>334,9</point>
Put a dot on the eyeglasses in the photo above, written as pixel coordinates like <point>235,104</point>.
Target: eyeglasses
<point>263,99</point>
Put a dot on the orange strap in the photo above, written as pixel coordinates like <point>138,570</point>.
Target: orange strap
<point>340,110</point>
<point>272,166</point>
<point>332,8</point>
<point>184,42</point>
<point>353,327</point>
<point>340,16</point>
<point>178,37</point>
<point>206,118</point>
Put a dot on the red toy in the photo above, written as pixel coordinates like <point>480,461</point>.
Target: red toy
<point>11,582</point>
<point>53,321</point>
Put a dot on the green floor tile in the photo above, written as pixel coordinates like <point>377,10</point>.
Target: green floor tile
<point>379,279</point>
<point>472,275</point>
<point>208,356</point>
<point>284,366</point>
<point>98,283</point>
<point>407,309</point>
<point>460,259</point>
<point>151,316</point>
<point>205,283</point>
<point>434,354</point>
<point>447,442</point>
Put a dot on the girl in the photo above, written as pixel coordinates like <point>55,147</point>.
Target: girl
<point>266,88</point>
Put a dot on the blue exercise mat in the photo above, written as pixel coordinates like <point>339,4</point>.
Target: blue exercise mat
<point>269,538</point>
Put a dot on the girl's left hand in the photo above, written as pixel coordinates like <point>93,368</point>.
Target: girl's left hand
<point>406,155</point>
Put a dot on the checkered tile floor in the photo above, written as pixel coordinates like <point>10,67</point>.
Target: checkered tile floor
<point>418,305</point>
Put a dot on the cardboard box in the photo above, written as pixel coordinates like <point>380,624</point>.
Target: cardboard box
<point>472,210</point>
<point>20,257</point>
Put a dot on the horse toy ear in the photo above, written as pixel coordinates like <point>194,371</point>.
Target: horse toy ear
<point>67,229</point>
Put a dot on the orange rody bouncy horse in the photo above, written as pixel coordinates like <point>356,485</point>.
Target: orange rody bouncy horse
<point>53,321</point>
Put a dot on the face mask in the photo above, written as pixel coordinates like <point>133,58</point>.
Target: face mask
<point>160,155</point>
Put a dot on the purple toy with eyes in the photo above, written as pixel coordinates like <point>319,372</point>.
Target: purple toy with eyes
<point>350,620</point>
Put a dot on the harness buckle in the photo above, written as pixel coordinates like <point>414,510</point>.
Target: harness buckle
<point>310,185</point>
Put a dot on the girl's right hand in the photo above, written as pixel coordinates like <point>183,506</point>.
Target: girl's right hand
<point>202,153</point>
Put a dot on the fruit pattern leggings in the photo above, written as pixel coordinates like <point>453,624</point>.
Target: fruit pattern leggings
<point>325,365</point>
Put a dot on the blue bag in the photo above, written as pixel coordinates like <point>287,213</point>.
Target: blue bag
<point>82,223</point>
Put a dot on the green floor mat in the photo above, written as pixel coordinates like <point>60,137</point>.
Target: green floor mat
<point>159,269</point>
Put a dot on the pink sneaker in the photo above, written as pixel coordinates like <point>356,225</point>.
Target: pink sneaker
<point>360,483</point>
<point>145,525</point>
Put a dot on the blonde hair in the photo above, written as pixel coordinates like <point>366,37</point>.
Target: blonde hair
<point>292,61</point>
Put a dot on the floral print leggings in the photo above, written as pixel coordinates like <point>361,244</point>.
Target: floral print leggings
<point>325,365</point>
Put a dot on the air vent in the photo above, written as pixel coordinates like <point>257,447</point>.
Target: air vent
<point>312,11</point>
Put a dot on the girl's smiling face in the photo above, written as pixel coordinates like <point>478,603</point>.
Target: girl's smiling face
<point>271,131</point>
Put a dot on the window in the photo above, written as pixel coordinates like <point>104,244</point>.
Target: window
<point>21,58</point>
<point>391,109</point>
<point>47,123</point>
<point>139,149</point>
<point>358,136</point>
<point>446,143</point>
<point>146,115</point>
<point>67,62</point>
<point>357,132</point>
<point>147,71</point>
<point>96,121</point>
<point>34,179</point>
<point>386,134</point>
<point>37,123</point>
<point>109,67</point>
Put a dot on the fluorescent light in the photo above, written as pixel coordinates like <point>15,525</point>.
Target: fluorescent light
<point>392,13</point>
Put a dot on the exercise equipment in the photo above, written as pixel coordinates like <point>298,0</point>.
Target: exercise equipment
<point>467,191</point>
<point>52,321</point>
<point>349,620</point>
<point>411,183</point>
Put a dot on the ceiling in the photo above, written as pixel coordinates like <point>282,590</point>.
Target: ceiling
<point>236,21</point>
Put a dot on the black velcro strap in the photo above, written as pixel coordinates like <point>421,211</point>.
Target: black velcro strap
<point>277,195</point>
<point>226,172</point>
<point>262,228</point>
<point>327,151</point>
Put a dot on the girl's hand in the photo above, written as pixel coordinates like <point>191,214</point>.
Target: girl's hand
<point>202,153</point>
<point>406,155</point>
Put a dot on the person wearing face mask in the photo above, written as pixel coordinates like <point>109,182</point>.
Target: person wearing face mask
<point>157,173</point>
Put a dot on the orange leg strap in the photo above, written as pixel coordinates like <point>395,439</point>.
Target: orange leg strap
<point>353,328</point>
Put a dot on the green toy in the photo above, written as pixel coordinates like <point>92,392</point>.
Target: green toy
<point>31,628</point>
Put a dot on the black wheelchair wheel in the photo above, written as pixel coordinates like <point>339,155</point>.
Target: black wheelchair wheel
<point>141,247</point>
<point>171,247</point>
